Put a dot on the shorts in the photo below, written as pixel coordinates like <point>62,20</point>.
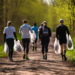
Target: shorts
<point>62,41</point>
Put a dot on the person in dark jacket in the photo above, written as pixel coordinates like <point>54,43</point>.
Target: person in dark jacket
<point>44,36</point>
<point>9,31</point>
<point>61,36</point>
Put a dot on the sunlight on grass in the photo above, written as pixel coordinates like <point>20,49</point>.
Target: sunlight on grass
<point>71,53</point>
<point>2,53</point>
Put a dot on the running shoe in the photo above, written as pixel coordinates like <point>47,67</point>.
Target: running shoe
<point>10,59</point>
<point>43,57</point>
<point>27,58</point>
<point>35,49</point>
<point>24,56</point>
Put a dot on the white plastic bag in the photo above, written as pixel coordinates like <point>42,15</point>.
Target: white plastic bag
<point>69,42</point>
<point>32,36</point>
<point>6,48</point>
<point>17,46</point>
<point>57,48</point>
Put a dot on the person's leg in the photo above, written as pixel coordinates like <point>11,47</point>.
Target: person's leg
<point>33,46</point>
<point>43,50</point>
<point>9,45</point>
<point>61,51</point>
<point>7,41</point>
<point>46,50</point>
<point>36,44</point>
<point>65,52</point>
<point>23,42</point>
<point>27,49</point>
<point>12,44</point>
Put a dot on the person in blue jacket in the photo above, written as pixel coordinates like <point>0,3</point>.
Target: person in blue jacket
<point>35,29</point>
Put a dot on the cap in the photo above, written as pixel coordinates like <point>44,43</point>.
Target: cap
<point>61,21</point>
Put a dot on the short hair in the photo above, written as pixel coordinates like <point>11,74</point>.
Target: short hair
<point>24,21</point>
<point>34,23</point>
<point>9,23</point>
<point>61,21</point>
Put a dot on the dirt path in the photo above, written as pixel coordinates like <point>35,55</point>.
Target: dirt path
<point>37,66</point>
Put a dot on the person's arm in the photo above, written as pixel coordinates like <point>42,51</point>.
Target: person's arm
<point>31,29</point>
<point>4,38</point>
<point>40,33</point>
<point>15,35</point>
<point>57,33</point>
<point>49,32</point>
<point>4,32</point>
<point>67,31</point>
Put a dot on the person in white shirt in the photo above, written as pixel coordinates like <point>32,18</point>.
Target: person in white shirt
<point>9,31</point>
<point>24,29</point>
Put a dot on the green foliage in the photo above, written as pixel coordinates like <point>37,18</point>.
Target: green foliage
<point>2,53</point>
<point>71,54</point>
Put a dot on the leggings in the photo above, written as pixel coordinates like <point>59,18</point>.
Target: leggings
<point>10,43</point>
<point>26,44</point>
<point>44,46</point>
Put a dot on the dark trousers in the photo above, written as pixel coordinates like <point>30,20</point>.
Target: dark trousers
<point>10,43</point>
<point>44,46</point>
<point>26,44</point>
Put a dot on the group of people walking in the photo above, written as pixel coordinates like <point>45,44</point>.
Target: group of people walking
<point>44,34</point>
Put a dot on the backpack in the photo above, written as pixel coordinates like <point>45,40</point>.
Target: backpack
<point>45,32</point>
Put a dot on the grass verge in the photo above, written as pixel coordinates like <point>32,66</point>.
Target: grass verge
<point>71,53</point>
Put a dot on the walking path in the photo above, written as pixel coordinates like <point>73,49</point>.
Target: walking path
<point>37,66</point>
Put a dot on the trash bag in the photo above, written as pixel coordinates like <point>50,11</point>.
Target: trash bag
<point>6,48</point>
<point>32,36</point>
<point>17,46</point>
<point>57,46</point>
<point>69,42</point>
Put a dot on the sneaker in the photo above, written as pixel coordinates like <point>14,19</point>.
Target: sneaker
<point>65,58</point>
<point>24,56</point>
<point>27,58</point>
<point>35,49</point>
<point>10,59</point>
<point>43,57</point>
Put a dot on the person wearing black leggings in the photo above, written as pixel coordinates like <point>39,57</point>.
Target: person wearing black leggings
<point>61,36</point>
<point>24,29</point>
<point>44,36</point>
<point>9,31</point>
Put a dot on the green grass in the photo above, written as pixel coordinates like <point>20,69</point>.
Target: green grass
<point>2,53</point>
<point>71,53</point>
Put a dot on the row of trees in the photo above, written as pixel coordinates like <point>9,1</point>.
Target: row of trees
<point>37,11</point>
<point>64,9</point>
<point>17,10</point>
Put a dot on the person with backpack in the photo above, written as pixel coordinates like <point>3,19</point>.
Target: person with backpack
<point>61,36</point>
<point>9,31</point>
<point>35,29</point>
<point>24,29</point>
<point>44,36</point>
